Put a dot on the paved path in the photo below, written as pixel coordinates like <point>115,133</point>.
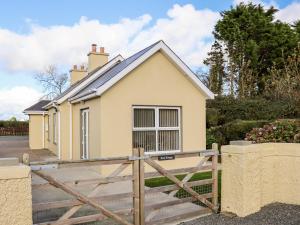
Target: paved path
<point>49,194</point>
<point>16,146</point>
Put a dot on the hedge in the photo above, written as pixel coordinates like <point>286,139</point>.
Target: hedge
<point>223,110</point>
<point>235,130</point>
<point>9,123</point>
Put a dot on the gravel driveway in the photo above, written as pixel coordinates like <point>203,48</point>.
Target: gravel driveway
<point>273,214</point>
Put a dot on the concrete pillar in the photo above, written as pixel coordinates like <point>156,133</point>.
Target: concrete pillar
<point>15,193</point>
<point>241,189</point>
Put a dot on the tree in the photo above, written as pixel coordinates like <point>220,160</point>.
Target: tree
<point>53,82</point>
<point>285,82</point>
<point>253,42</point>
<point>13,119</point>
<point>216,63</point>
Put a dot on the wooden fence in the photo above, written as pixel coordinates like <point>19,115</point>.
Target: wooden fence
<point>14,131</point>
<point>136,206</point>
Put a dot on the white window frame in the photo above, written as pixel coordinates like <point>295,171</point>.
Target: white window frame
<point>87,111</point>
<point>157,128</point>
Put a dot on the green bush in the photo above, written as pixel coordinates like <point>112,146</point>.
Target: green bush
<point>230,109</point>
<point>278,131</point>
<point>235,130</point>
<point>213,117</point>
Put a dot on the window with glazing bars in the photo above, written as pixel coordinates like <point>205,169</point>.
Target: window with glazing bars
<point>156,129</point>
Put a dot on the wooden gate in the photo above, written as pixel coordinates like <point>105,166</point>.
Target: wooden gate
<point>139,204</point>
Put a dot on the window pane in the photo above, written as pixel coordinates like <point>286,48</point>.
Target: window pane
<point>168,140</point>
<point>144,118</point>
<point>168,118</point>
<point>144,139</point>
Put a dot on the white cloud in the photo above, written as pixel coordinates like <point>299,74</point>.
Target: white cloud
<point>13,101</point>
<point>63,45</point>
<point>185,29</point>
<point>290,13</point>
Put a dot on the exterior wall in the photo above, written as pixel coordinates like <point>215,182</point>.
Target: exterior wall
<point>156,82</point>
<point>64,110</point>
<point>15,195</point>
<point>53,147</point>
<point>259,174</point>
<point>36,131</point>
<point>94,127</point>
<point>46,127</point>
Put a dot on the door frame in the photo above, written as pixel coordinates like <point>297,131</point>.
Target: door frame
<point>86,112</point>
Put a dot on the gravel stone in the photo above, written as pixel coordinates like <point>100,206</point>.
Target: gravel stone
<point>273,214</point>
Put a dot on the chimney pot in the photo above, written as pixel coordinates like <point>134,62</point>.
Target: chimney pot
<point>94,47</point>
<point>82,67</point>
<point>74,67</point>
<point>102,50</point>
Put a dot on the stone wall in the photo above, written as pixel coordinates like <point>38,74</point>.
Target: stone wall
<point>15,193</point>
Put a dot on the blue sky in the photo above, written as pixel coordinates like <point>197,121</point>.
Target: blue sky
<point>34,34</point>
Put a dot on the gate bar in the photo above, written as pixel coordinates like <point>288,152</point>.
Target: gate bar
<point>82,198</point>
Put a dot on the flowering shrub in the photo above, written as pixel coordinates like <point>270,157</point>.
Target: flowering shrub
<point>278,131</point>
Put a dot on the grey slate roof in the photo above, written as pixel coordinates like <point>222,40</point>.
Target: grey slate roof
<point>69,89</point>
<point>109,74</point>
<point>38,106</point>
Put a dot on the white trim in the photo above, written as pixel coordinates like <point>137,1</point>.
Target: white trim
<point>168,52</point>
<point>35,112</point>
<point>43,132</point>
<point>71,132</point>
<point>49,105</point>
<point>157,128</point>
<point>86,112</point>
<point>85,97</point>
<point>90,79</point>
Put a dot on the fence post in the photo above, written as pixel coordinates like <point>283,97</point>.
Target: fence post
<point>26,159</point>
<point>142,186</point>
<point>135,187</point>
<point>215,176</point>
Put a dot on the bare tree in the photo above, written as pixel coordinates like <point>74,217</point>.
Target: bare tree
<point>53,82</point>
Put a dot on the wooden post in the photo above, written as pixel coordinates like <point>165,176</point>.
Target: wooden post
<point>142,186</point>
<point>135,187</point>
<point>215,176</point>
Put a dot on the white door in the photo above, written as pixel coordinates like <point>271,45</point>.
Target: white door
<point>85,134</point>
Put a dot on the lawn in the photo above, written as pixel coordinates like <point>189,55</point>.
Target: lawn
<point>162,181</point>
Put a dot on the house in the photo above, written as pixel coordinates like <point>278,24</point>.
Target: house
<point>150,100</point>
<point>37,124</point>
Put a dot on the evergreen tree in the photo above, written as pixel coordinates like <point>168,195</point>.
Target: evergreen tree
<point>253,43</point>
<point>216,64</point>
